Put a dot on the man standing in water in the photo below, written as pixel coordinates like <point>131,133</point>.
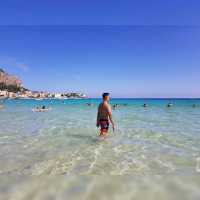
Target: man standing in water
<point>105,115</point>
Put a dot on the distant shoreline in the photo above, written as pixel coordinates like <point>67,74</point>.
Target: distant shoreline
<point>114,98</point>
<point>39,99</point>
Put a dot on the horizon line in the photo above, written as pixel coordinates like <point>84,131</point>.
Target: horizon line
<point>147,97</point>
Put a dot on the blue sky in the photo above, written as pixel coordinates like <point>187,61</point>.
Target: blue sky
<point>100,12</point>
<point>143,48</point>
<point>128,61</point>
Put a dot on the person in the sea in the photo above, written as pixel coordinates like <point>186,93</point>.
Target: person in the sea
<point>41,109</point>
<point>169,105</point>
<point>145,105</point>
<point>114,106</point>
<point>104,115</point>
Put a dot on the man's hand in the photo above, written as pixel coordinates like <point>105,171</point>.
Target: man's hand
<point>110,117</point>
<point>113,126</point>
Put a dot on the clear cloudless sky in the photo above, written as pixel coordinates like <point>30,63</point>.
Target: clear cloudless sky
<point>100,12</point>
<point>128,61</point>
<point>131,48</point>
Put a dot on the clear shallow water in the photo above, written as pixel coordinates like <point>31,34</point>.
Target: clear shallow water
<point>149,143</point>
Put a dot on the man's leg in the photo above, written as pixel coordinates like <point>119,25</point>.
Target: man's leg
<point>103,132</point>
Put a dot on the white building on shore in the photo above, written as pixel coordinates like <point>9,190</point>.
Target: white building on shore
<point>3,93</point>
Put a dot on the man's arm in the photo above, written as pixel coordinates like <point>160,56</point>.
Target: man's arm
<point>110,117</point>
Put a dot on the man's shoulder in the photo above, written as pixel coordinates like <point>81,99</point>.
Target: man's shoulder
<point>107,105</point>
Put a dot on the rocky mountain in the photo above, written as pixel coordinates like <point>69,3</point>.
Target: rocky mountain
<point>9,82</point>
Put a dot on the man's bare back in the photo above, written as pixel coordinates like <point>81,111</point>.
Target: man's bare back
<point>103,110</point>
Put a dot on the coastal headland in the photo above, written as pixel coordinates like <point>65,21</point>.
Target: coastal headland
<point>12,87</point>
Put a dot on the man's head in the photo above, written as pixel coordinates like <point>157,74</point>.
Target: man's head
<point>106,96</point>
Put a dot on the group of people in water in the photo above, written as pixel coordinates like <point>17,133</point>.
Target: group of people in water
<point>145,105</point>
<point>114,106</point>
<point>104,114</point>
<point>168,105</point>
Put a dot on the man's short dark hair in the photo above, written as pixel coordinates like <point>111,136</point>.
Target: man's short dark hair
<point>105,94</point>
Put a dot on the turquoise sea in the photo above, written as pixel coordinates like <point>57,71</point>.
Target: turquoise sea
<point>154,152</point>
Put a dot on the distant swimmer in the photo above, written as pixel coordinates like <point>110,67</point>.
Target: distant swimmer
<point>89,104</point>
<point>104,115</point>
<point>145,105</point>
<point>42,109</point>
<point>169,105</point>
<point>194,105</point>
